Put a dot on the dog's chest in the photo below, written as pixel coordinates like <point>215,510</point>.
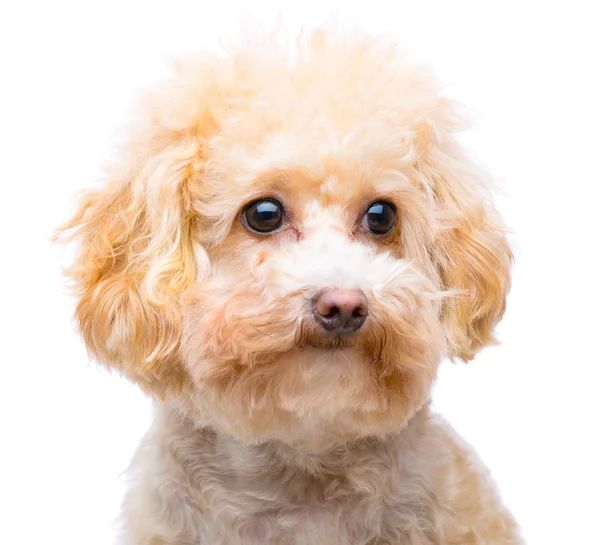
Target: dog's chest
<point>366,508</point>
<point>303,525</point>
<point>224,493</point>
<point>297,526</point>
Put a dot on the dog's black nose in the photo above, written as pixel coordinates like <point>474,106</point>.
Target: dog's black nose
<point>340,311</point>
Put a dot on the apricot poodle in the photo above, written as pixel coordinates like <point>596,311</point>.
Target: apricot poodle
<point>289,241</point>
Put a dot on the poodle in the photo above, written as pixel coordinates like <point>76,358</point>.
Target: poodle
<point>288,242</point>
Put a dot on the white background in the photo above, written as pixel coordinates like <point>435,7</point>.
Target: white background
<point>527,70</point>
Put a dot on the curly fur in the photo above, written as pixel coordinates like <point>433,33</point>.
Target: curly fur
<point>266,431</point>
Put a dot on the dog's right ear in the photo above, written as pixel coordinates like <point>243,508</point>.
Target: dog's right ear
<point>471,252</point>
<point>134,238</point>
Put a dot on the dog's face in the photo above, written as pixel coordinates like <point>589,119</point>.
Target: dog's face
<point>288,248</point>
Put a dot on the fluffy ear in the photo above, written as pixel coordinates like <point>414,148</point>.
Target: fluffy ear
<point>134,244</point>
<point>471,250</point>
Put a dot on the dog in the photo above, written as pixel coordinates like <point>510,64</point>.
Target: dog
<point>288,242</point>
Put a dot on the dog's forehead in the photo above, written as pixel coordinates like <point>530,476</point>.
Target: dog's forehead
<point>330,186</point>
<point>335,168</point>
<point>316,212</point>
<point>333,124</point>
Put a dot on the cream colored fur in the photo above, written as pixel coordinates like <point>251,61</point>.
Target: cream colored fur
<point>268,431</point>
<point>423,486</point>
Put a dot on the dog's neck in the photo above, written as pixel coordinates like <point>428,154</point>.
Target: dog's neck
<point>316,458</point>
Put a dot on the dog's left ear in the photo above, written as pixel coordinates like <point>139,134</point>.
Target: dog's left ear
<point>471,251</point>
<point>136,236</point>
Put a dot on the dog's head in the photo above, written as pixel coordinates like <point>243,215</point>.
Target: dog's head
<point>289,245</point>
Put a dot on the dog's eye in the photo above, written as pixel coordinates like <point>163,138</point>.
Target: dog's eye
<point>264,216</point>
<point>380,218</point>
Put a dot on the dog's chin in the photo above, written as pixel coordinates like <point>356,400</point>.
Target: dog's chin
<point>287,379</point>
<point>329,389</point>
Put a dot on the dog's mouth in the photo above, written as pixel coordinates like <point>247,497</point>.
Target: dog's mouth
<point>310,336</point>
<point>365,342</point>
<point>334,343</point>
